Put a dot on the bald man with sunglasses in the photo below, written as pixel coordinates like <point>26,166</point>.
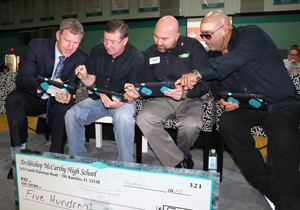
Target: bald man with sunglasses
<point>246,60</point>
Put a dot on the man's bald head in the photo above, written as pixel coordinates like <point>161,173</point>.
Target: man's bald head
<point>166,33</point>
<point>167,23</point>
<point>217,17</point>
<point>216,30</point>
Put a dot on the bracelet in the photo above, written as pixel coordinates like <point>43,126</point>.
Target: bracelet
<point>184,95</point>
<point>196,73</point>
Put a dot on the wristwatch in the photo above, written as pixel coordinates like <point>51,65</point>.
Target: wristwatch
<point>185,95</point>
<point>196,73</point>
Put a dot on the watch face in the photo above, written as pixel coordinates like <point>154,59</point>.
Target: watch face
<point>195,72</point>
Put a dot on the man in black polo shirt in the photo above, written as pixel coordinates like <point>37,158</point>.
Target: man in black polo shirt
<point>246,60</point>
<point>171,56</point>
<point>111,64</point>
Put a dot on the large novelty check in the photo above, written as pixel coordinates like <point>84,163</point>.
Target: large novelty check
<point>49,183</point>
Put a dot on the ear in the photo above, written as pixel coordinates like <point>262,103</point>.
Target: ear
<point>125,41</point>
<point>177,36</point>
<point>57,35</point>
<point>225,28</point>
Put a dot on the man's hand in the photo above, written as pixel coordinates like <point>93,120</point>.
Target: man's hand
<point>187,80</point>
<point>228,106</point>
<point>81,72</point>
<point>61,96</point>
<point>176,93</point>
<point>131,91</point>
<point>113,104</point>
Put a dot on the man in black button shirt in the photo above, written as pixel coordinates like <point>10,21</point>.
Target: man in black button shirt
<point>111,64</point>
<point>246,60</point>
<point>171,56</point>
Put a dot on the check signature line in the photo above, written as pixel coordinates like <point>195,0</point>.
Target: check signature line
<point>156,190</point>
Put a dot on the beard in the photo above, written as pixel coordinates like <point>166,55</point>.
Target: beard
<point>164,49</point>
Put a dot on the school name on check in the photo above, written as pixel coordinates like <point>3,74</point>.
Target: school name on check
<point>65,170</point>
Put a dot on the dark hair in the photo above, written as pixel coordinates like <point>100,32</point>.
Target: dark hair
<point>73,25</point>
<point>294,47</point>
<point>117,25</point>
<point>6,67</point>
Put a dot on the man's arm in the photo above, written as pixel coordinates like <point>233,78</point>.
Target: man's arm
<point>198,59</point>
<point>26,77</point>
<point>250,45</point>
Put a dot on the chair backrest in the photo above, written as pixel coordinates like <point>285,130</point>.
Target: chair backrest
<point>296,81</point>
<point>81,92</point>
<point>7,84</point>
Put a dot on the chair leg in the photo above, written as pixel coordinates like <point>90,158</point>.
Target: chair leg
<point>87,134</point>
<point>206,140</point>
<point>144,144</point>
<point>138,144</point>
<point>98,133</point>
<point>10,173</point>
<point>220,149</point>
<point>47,131</point>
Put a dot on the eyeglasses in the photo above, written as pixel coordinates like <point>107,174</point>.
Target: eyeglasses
<point>295,55</point>
<point>208,36</point>
<point>111,43</point>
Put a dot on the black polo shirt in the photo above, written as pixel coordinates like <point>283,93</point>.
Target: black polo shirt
<point>188,54</point>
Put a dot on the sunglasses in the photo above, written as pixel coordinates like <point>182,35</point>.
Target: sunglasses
<point>208,36</point>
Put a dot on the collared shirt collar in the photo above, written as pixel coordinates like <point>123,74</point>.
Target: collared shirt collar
<point>57,53</point>
<point>232,38</point>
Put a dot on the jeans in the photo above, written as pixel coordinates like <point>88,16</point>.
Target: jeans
<point>88,111</point>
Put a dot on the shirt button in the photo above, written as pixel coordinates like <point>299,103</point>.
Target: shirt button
<point>245,89</point>
<point>105,85</point>
<point>112,60</point>
<point>107,79</point>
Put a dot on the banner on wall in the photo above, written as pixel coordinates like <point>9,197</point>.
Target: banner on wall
<point>286,1</point>
<point>7,12</point>
<point>148,5</point>
<point>69,9</point>
<point>47,10</point>
<point>119,7</point>
<point>212,4</point>
<point>26,11</point>
<point>93,8</point>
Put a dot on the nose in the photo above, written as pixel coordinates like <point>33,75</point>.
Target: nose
<point>159,41</point>
<point>70,46</point>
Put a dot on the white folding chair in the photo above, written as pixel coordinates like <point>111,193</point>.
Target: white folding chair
<point>99,136</point>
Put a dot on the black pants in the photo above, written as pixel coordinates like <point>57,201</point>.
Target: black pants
<point>280,176</point>
<point>21,104</point>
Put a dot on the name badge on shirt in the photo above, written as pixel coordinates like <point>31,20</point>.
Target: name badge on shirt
<point>154,60</point>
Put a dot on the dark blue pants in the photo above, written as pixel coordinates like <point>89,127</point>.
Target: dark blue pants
<point>280,176</point>
<point>21,104</point>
